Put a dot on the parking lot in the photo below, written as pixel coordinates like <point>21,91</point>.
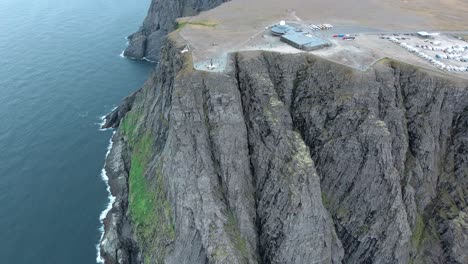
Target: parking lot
<point>443,51</point>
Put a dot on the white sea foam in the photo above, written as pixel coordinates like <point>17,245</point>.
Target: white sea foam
<point>103,121</point>
<point>105,178</point>
<point>127,57</point>
<point>146,59</point>
<point>128,43</point>
<point>132,58</point>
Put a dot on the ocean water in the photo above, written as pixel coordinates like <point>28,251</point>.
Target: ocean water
<point>60,71</point>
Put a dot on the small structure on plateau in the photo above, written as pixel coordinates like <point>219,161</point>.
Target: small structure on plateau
<point>279,30</point>
<point>297,38</point>
<point>424,34</point>
<point>303,41</point>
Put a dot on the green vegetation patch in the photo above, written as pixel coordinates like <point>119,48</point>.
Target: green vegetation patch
<point>219,254</point>
<point>364,229</point>
<point>202,23</point>
<point>325,201</point>
<point>149,207</point>
<point>448,207</point>
<point>418,232</point>
<point>128,126</point>
<point>342,213</point>
<point>141,199</point>
<point>343,97</point>
<point>239,242</point>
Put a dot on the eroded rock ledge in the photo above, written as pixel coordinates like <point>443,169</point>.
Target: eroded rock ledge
<point>290,159</point>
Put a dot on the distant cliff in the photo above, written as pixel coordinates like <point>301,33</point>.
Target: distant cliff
<point>160,20</point>
<point>289,159</point>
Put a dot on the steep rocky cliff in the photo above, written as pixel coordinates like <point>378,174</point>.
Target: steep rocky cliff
<point>289,159</point>
<point>160,20</point>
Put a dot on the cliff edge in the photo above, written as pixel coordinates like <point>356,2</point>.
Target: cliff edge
<point>146,43</point>
<point>289,159</point>
<point>284,158</point>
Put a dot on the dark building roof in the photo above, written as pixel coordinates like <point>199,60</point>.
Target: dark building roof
<point>281,30</point>
<point>304,41</point>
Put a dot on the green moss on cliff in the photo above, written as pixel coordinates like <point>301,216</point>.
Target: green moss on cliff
<point>128,126</point>
<point>448,208</point>
<point>219,254</point>
<point>239,242</point>
<point>141,199</point>
<point>149,207</point>
<point>325,201</point>
<point>417,232</point>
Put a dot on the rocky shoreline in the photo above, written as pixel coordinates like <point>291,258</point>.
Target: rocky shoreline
<point>118,243</point>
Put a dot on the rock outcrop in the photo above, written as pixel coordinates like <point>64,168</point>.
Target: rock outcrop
<point>289,159</point>
<point>112,120</point>
<point>160,20</point>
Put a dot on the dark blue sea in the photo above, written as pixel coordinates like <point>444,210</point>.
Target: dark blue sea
<point>60,71</point>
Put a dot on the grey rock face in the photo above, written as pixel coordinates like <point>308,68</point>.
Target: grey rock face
<point>295,159</point>
<point>457,236</point>
<point>112,120</point>
<point>160,20</point>
<point>294,225</point>
<point>136,48</point>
